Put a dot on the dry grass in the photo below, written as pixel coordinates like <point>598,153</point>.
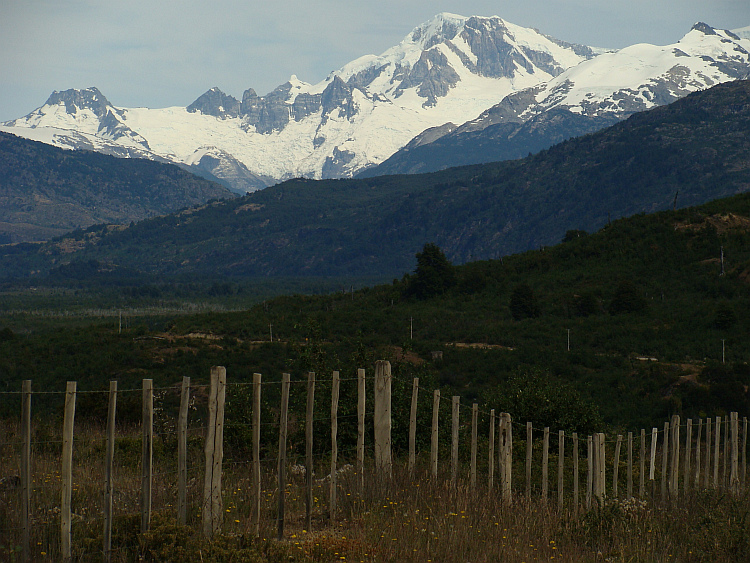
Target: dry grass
<point>405,519</point>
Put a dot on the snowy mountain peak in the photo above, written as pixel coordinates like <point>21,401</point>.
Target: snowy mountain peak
<point>74,100</point>
<point>217,103</point>
<point>450,69</point>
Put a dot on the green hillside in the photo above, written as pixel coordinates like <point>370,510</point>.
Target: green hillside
<point>46,191</point>
<point>644,300</point>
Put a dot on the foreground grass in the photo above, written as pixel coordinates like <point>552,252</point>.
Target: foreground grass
<point>405,518</point>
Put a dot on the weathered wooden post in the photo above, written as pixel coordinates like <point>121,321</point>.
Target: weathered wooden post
<point>473,473</point>
<point>744,452</point>
<point>108,463</point>
<point>491,461</point>
<point>383,418</point>
<point>698,455</point>
<point>182,423</point>
<point>665,461</point>
<point>734,478</point>
<point>413,425</point>
<point>361,428</point>
<point>688,454</point>
<point>67,470</point>
<point>630,465</point>
<point>717,451</point>
<point>616,466</point>
<point>590,471</point>
<point>283,417</point>
<point>147,452</point>
<point>727,454</point>
<point>652,459</point>
<point>309,461</point>
<point>213,511</point>
<point>507,445</point>
<point>335,382</point>
<point>529,451</point>
<point>642,480</point>
<point>674,470</point>
<point>575,473</point>
<point>257,378</point>
<point>709,451</point>
<point>545,463</point>
<point>602,468</point>
<point>560,466</point>
<point>26,468</point>
<point>434,433</point>
<point>455,406</point>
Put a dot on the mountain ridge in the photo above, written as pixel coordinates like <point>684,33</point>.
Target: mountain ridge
<point>46,191</point>
<point>697,148</point>
<point>449,68</point>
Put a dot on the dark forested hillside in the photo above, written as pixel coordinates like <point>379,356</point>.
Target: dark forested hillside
<point>687,153</point>
<point>46,191</point>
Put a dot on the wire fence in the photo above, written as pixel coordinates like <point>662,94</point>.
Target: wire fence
<point>446,439</point>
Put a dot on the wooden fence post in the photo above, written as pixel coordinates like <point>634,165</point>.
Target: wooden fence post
<point>717,450</point>
<point>67,469</point>
<point>630,465</point>
<point>642,480</point>
<point>473,473</point>
<point>455,406</point>
<point>491,446</point>
<point>590,471</point>
<point>361,428</point>
<point>727,455</point>
<point>213,511</point>
<point>545,463</point>
<point>108,463</point>
<point>147,452</point>
<point>665,461</point>
<point>257,379</point>
<point>674,472</point>
<point>709,451</point>
<point>698,455</point>
<point>688,454</point>
<point>734,480</point>
<point>413,425</point>
<point>182,423</point>
<point>529,451</point>
<point>383,418</point>
<point>283,417</point>
<point>575,473</point>
<point>507,446</point>
<point>602,468</point>
<point>652,459</point>
<point>309,469</point>
<point>744,452</point>
<point>434,432</point>
<point>334,442</point>
<point>560,466</point>
<point>616,466</point>
<point>26,468</point>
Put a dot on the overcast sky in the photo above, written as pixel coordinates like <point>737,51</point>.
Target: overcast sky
<point>168,52</point>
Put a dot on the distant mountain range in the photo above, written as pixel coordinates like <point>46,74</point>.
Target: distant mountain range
<point>449,70</point>
<point>686,153</point>
<point>590,96</point>
<point>46,191</point>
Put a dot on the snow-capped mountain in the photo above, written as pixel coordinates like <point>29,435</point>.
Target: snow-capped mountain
<point>590,96</point>
<point>450,68</point>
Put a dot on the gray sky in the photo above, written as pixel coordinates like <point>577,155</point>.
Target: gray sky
<point>168,52</point>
